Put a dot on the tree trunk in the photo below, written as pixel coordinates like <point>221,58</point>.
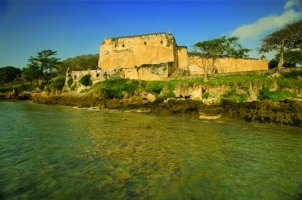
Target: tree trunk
<point>281,58</point>
<point>205,74</point>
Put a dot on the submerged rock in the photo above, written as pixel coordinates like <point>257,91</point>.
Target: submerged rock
<point>287,112</point>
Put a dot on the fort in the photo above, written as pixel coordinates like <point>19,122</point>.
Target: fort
<point>157,57</point>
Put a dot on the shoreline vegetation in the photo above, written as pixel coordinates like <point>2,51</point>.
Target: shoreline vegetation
<point>253,96</point>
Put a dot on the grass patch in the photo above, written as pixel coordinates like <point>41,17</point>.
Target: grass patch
<point>115,88</point>
<point>289,83</point>
<point>237,79</point>
<point>153,86</point>
<point>277,95</point>
<point>234,96</point>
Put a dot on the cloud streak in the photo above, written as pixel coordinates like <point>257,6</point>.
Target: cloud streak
<point>291,3</point>
<point>269,23</point>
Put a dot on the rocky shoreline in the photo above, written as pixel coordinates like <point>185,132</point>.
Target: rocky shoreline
<point>288,112</point>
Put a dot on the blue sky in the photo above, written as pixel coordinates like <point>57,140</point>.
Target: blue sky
<point>75,27</point>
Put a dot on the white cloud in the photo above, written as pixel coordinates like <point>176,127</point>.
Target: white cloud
<point>252,31</point>
<point>272,22</point>
<point>251,34</point>
<point>291,3</point>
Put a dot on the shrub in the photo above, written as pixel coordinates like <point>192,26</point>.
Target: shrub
<point>234,96</point>
<point>114,88</point>
<point>74,87</point>
<point>168,94</point>
<point>294,74</point>
<point>264,93</point>
<point>85,80</point>
<point>154,86</point>
<point>205,95</point>
<point>58,83</point>
<point>70,81</point>
<point>277,95</point>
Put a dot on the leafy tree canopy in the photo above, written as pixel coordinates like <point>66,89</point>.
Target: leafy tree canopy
<point>219,47</point>
<point>222,47</point>
<point>9,74</point>
<point>45,61</point>
<point>284,40</point>
<point>78,63</point>
<point>291,59</point>
<point>31,73</point>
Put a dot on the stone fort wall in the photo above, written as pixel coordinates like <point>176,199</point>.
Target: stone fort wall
<point>225,65</point>
<point>135,51</point>
<point>155,57</point>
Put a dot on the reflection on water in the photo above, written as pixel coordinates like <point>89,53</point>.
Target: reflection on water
<point>53,152</point>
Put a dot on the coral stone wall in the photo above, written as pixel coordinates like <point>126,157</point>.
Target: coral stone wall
<point>182,54</point>
<point>226,65</point>
<point>135,51</point>
<point>145,72</point>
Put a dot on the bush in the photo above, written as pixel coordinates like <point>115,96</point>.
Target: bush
<point>85,80</point>
<point>277,95</point>
<point>154,86</point>
<point>234,96</point>
<point>17,87</point>
<point>115,88</point>
<point>294,74</point>
<point>58,83</point>
<point>74,87</point>
<point>70,81</point>
<point>264,93</point>
<point>205,95</point>
<point>168,94</point>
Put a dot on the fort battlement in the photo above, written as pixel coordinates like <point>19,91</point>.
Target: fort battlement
<point>140,35</point>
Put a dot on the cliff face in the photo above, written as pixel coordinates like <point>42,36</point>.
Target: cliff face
<point>286,112</point>
<point>251,97</point>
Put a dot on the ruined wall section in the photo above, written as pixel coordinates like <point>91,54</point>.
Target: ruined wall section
<point>174,65</point>
<point>135,51</point>
<point>145,72</point>
<point>225,65</point>
<point>182,54</point>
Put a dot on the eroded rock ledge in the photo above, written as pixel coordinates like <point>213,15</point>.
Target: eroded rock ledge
<point>287,112</point>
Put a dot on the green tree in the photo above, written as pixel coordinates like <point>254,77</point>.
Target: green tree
<point>78,63</point>
<point>218,47</point>
<point>31,73</point>
<point>284,40</point>
<point>291,59</point>
<point>9,74</point>
<point>45,61</point>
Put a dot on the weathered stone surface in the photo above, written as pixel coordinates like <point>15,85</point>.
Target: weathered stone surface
<point>287,112</point>
<point>196,65</point>
<point>148,96</point>
<point>155,57</point>
<point>135,51</point>
<point>183,91</point>
<point>216,92</point>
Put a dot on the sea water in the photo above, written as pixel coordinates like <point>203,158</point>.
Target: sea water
<point>58,152</point>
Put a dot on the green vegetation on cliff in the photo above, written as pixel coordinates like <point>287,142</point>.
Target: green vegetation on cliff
<point>237,87</point>
<point>116,88</point>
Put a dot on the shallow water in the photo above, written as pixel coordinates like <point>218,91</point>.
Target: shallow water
<point>57,152</point>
